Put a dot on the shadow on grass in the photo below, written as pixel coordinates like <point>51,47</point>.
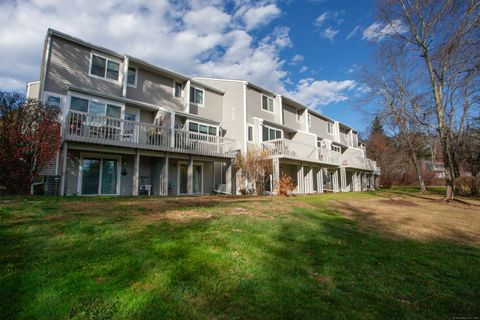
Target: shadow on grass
<point>307,265</point>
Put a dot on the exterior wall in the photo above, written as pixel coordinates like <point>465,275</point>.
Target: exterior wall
<point>290,117</point>
<point>319,127</point>
<point>33,90</point>
<point>69,64</point>
<point>212,108</point>
<point>50,169</point>
<point>254,107</point>
<point>345,137</point>
<point>232,112</point>
<point>71,176</point>
<point>147,116</point>
<point>154,89</point>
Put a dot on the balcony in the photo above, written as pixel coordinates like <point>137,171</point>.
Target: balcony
<point>301,151</point>
<point>90,128</point>
<point>361,163</point>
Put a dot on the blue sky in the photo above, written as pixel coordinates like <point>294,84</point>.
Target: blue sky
<point>309,50</point>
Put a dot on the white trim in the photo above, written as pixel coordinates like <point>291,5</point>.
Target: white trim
<point>261,103</point>
<point>100,156</point>
<point>280,104</point>
<point>118,81</point>
<point>45,66</point>
<point>182,91</point>
<point>203,96</point>
<point>220,79</point>
<point>136,77</point>
<point>126,63</point>
<point>250,126</point>
<point>94,99</point>
<point>245,116</point>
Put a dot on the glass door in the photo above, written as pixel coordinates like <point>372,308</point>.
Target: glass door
<point>90,175</point>
<point>183,179</point>
<point>197,179</point>
<point>109,176</point>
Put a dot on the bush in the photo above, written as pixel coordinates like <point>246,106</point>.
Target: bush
<point>286,185</point>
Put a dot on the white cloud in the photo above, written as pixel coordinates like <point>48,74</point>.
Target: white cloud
<point>317,93</point>
<point>352,33</point>
<point>329,33</point>
<point>261,15</point>
<point>195,38</point>
<point>321,19</point>
<point>296,59</point>
<point>377,30</point>
<point>353,69</point>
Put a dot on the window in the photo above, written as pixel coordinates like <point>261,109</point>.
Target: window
<point>250,133</point>
<point>104,68</point>
<point>95,107</point>
<point>132,76</point>
<point>299,115</point>
<point>309,120</point>
<point>196,96</point>
<point>53,102</point>
<point>202,128</point>
<point>177,89</point>
<point>267,103</point>
<point>336,149</point>
<point>271,134</point>
<point>330,127</point>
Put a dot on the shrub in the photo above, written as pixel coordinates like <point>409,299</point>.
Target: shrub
<point>286,185</point>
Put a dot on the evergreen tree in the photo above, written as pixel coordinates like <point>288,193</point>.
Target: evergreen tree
<point>377,126</point>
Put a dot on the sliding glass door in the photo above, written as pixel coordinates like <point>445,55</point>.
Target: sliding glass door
<point>197,179</point>
<point>99,176</point>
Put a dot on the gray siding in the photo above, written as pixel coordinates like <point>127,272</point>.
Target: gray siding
<point>147,116</point>
<point>69,64</point>
<point>126,181</point>
<point>319,127</point>
<point>71,176</point>
<point>290,117</point>
<point>233,122</point>
<point>213,105</point>
<point>254,106</point>
<point>155,89</point>
<point>49,169</point>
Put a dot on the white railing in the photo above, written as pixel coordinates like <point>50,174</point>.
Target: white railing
<point>328,156</point>
<point>200,143</point>
<point>86,127</point>
<point>361,163</point>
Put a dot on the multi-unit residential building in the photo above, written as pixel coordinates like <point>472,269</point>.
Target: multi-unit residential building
<point>130,127</point>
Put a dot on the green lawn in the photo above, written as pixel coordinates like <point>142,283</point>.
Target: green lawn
<point>222,258</point>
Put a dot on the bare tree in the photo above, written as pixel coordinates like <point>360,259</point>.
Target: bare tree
<point>444,35</point>
<point>255,166</point>
<point>391,83</point>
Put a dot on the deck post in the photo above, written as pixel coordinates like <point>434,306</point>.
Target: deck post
<point>64,168</point>
<point>343,179</point>
<point>275,175</point>
<point>190,176</point>
<point>320,180</point>
<point>165,176</point>
<point>229,178</point>
<point>136,167</point>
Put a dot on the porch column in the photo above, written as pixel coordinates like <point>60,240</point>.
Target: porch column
<point>64,168</point>
<point>320,180</point>
<point>190,176</point>
<point>301,178</point>
<point>229,178</point>
<point>136,167</point>
<point>335,180</point>
<point>343,179</point>
<point>165,176</point>
<point>275,175</point>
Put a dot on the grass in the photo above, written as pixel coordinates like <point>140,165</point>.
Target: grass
<point>232,258</point>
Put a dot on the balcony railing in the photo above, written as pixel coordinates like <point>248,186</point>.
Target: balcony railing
<point>295,149</point>
<point>361,163</point>
<point>86,127</point>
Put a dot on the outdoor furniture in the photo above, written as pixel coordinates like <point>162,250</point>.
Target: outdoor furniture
<point>220,189</point>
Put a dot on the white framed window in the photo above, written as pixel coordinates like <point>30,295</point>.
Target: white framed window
<point>249,133</point>
<point>177,89</point>
<point>299,115</point>
<point>196,96</point>
<point>53,101</point>
<point>269,133</point>
<point>202,128</point>
<point>309,120</point>
<point>330,128</point>
<point>132,74</point>
<point>267,103</point>
<point>336,149</point>
<point>104,68</point>
<point>95,107</point>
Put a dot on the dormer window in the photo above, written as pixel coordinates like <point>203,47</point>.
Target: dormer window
<point>330,128</point>
<point>267,103</point>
